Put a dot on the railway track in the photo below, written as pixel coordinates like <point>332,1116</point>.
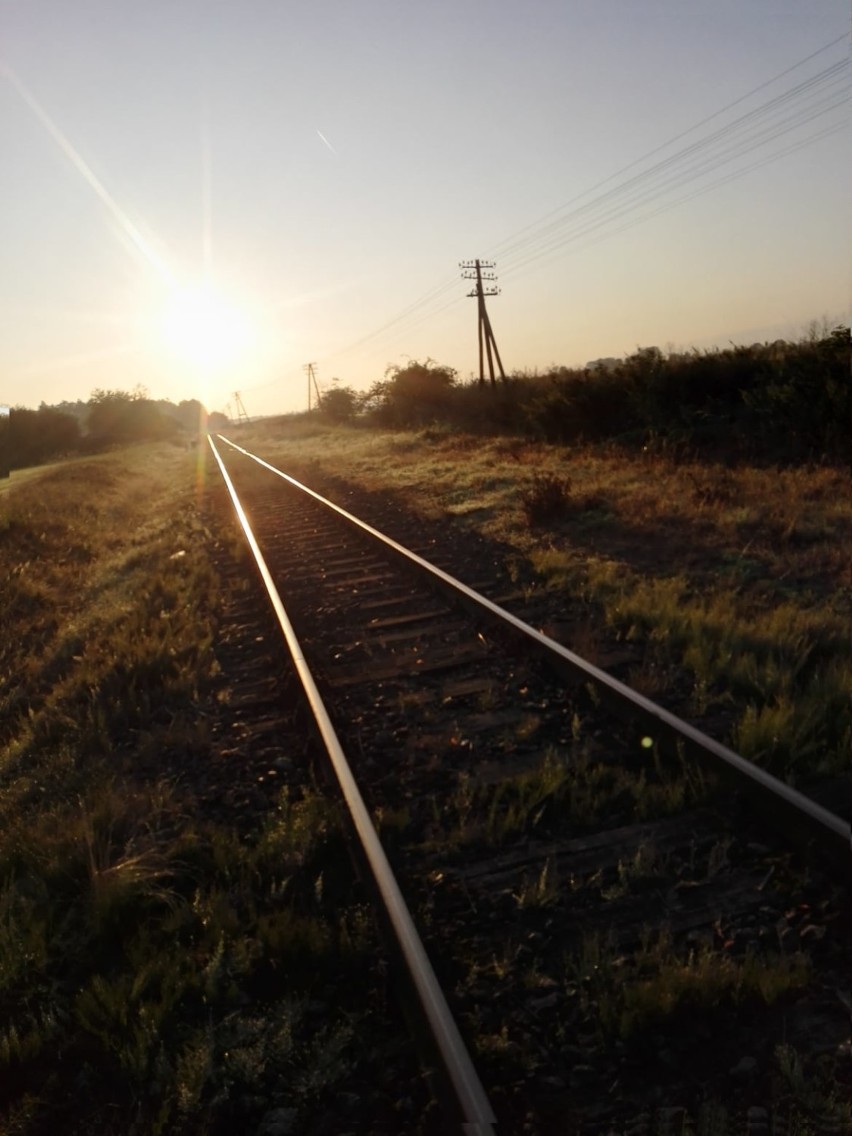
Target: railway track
<point>599,919</point>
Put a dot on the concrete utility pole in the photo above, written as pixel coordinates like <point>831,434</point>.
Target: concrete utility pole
<point>241,410</point>
<point>310,371</point>
<point>472,270</point>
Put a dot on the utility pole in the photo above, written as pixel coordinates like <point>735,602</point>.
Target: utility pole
<point>472,270</point>
<point>241,410</point>
<point>310,371</point>
<point>5,440</point>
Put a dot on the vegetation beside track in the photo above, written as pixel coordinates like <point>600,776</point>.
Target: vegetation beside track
<point>778,401</point>
<point>736,581</point>
<point>148,957</point>
<point>162,969</point>
<point>649,546</point>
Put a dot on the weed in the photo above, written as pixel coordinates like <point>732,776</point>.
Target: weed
<point>627,996</point>
<point>645,864</point>
<point>547,499</point>
<point>541,892</point>
<point>566,790</point>
<point>813,1095</point>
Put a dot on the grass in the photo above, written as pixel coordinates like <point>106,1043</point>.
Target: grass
<point>567,792</point>
<point>733,587</point>
<point>159,972</point>
<point>663,996</point>
<point>739,579</point>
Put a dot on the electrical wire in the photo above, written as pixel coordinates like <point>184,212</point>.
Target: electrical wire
<point>831,75</point>
<point>789,110</point>
<point>708,165</point>
<point>498,250</point>
<point>518,273</point>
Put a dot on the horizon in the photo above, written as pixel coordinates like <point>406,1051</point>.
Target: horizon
<point>813,329</point>
<point>311,204</point>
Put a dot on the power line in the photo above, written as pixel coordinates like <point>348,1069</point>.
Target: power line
<point>500,249</point>
<point>546,239</point>
<point>614,210</point>
<point>647,176</point>
<point>428,297</point>
<point>765,161</point>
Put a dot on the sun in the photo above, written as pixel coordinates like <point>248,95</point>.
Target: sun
<point>204,328</point>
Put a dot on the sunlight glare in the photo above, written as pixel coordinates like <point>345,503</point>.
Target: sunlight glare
<point>204,328</point>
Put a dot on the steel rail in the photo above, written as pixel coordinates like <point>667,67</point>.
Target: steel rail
<point>751,779</point>
<point>479,1119</point>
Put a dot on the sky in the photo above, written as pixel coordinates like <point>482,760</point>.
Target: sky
<point>201,197</point>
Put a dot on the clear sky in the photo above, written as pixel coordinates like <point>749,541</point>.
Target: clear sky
<point>202,196</point>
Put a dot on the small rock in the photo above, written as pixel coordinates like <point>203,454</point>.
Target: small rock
<point>744,1067</point>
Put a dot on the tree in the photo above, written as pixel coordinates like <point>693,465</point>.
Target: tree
<point>36,436</point>
<point>340,404</point>
<point>415,394</point>
<point>120,416</point>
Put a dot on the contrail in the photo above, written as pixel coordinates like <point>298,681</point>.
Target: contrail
<point>324,139</point>
<point>137,238</point>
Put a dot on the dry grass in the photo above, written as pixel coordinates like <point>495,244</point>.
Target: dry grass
<point>154,965</point>
<point>742,576</point>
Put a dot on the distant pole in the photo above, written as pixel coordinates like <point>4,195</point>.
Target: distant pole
<point>310,371</point>
<point>5,441</point>
<point>472,270</point>
<point>241,410</point>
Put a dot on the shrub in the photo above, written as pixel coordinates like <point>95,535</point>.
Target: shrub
<point>547,499</point>
<point>414,395</point>
<point>116,416</point>
<point>36,436</point>
<point>339,404</point>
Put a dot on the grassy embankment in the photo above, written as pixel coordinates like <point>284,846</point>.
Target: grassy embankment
<point>154,968</point>
<point>737,581</point>
<point>736,584</point>
<point>158,973</point>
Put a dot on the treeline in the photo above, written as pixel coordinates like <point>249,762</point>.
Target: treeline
<point>783,401</point>
<point>109,417</point>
